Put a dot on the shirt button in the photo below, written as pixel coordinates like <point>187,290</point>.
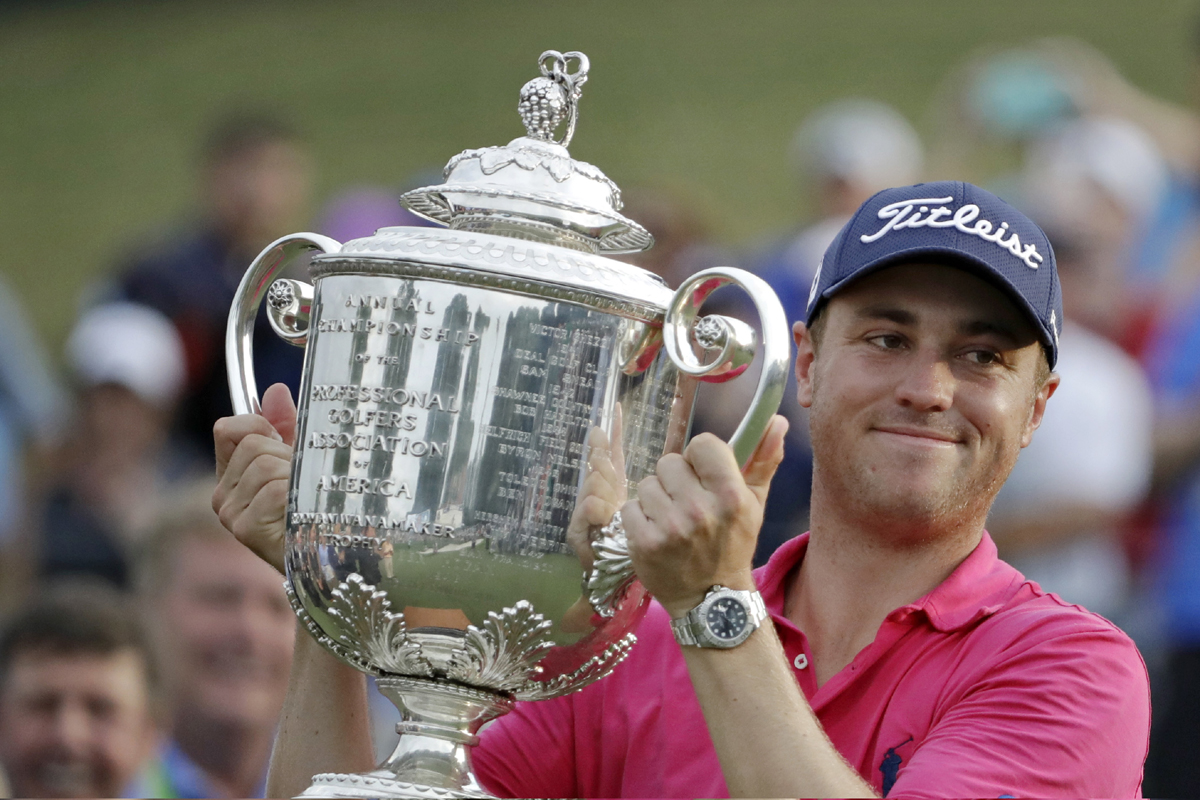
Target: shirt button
<point>801,661</point>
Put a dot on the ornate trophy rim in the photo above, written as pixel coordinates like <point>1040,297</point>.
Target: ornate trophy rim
<point>505,262</point>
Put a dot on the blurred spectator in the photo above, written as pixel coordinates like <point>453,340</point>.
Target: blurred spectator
<point>682,247</point>
<point>1100,181</point>
<point>361,210</point>
<point>843,153</point>
<point>1174,368</point>
<point>999,99</point>
<point>256,182</point>
<point>127,364</point>
<point>1058,517</point>
<point>683,233</point>
<point>224,632</point>
<point>32,408</point>
<point>78,695</point>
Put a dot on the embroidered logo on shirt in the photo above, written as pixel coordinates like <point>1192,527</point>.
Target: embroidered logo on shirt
<point>890,766</point>
<point>899,215</point>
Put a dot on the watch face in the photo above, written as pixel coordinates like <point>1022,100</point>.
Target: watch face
<point>726,618</point>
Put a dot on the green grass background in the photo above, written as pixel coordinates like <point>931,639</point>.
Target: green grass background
<point>102,103</point>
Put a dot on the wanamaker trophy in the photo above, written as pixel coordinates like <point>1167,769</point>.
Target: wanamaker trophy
<point>459,384</point>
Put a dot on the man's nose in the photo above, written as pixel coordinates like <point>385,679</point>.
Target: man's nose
<point>72,728</point>
<point>927,383</point>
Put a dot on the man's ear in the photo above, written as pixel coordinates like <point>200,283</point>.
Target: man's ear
<point>1039,407</point>
<point>804,363</point>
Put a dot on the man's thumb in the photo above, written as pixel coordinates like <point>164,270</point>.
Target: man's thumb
<point>760,469</point>
<point>280,411</point>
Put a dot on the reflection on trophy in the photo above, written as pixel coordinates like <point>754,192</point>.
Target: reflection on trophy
<point>460,385</point>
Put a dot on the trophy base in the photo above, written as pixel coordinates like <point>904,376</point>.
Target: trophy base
<point>433,758</point>
<point>378,784</point>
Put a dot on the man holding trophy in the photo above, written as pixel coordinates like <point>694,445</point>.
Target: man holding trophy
<point>887,652</point>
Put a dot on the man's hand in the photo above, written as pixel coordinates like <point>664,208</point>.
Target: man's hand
<point>602,493</point>
<point>695,521</point>
<point>254,458</point>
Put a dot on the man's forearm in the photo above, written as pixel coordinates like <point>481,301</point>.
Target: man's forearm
<point>767,738</point>
<point>324,726</point>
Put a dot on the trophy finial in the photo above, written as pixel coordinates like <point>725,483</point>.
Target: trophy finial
<point>531,188</point>
<point>547,100</point>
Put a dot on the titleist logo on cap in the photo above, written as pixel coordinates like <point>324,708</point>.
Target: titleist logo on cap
<point>901,215</point>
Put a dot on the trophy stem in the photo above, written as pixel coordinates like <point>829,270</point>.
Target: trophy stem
<point>438,727</point>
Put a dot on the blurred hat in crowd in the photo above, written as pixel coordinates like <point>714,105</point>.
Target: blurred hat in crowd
<point>1018,94</point>
<point>130,345</point>
<point>1065,168</point>
<point>863,142</point>
<point>362,210</point>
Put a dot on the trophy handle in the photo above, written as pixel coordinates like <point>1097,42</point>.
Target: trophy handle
<point>607,582</point>
<point>736,342</point>
<point>289,317</point>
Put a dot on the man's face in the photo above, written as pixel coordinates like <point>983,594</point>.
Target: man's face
<point>922,391</point>
<point>227,633</point>
<point>261,193</point>
<point>75,725</point>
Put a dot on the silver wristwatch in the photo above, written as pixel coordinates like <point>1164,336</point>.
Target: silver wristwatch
<point>725,618</point>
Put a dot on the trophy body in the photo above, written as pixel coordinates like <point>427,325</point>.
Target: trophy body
<point>459,386</point>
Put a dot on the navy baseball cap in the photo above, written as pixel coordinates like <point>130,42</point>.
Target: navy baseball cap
<point>955,223</point>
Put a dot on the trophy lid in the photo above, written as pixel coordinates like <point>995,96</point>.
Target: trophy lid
<point>531,188</point>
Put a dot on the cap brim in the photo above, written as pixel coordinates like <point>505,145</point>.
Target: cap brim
<point>954,257</point>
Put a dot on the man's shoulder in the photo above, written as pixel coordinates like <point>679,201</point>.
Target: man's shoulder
<point>1036,626</point>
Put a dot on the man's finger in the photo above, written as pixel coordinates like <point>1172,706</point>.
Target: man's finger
<point>713,462</point>
<point>760,469</point>
<point>677,477</point>
<point>252,446</point>
<point>600,458</point>
<point>280,410</point>
<point>228,433</point>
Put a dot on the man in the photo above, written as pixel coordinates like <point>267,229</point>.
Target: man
<point>127,368</point>
<point>903,658</point>
<point>224,629</point>
<point>256,181</point>
<point>78,696</point>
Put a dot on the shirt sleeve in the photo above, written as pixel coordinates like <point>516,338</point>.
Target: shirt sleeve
<point>529,752</point>
<point>1067,717</point>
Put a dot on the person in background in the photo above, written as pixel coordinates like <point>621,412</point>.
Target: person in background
<point>1173,356</point>
<point>79,695</point>
<point>224,631</point>
<point>359,211</point>
<point>33,405</point>
<point>127,364</point>
<point>841,154</point>
<point>1100,181</point>
<point>1093,182</point>
<point>1058,519</point>
<point>256,182</point>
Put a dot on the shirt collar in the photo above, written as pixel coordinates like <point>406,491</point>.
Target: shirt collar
<point>978,587</point>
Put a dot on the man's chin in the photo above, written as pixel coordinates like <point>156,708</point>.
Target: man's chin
<point>66,779</point>
<point>914,506</point>
<point>238,704</point>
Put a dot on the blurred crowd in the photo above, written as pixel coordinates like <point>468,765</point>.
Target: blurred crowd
<point>144,653</point>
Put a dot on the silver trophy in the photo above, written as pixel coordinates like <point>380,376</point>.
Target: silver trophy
<point>459,385</point>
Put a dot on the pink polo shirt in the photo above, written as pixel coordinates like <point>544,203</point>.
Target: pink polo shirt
<point>985,687</point>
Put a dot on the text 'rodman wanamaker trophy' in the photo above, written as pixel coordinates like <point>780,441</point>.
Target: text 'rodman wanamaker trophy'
<point>459,384</point>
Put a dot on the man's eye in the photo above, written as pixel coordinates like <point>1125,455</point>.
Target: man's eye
<point>888,341</point>
<point>984,356</point>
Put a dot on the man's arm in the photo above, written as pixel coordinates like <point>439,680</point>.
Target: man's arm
<point>324,726</point>
<point>694,525</point>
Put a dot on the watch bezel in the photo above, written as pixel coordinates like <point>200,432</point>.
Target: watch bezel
<point>706,636</point>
